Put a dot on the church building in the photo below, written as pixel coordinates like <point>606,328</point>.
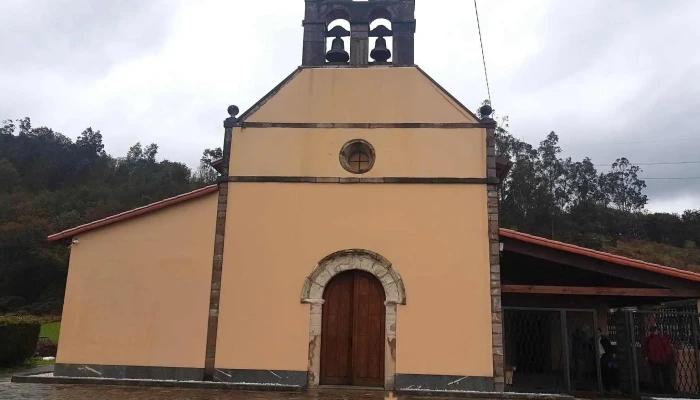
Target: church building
<point>349,241</point>
<point>352,238</point>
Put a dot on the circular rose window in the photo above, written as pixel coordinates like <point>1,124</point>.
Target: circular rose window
<point>357,156</point>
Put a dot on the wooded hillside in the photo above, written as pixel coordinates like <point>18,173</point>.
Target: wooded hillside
<point>49,183</point>
<point>569,200</point>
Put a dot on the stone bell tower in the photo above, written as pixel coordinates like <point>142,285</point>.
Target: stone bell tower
<point>320,13</point>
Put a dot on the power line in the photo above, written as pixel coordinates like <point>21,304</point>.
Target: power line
<point>671,179</point>
<point>483,56</point>
<point>654,163</point>
<point>640,141</point>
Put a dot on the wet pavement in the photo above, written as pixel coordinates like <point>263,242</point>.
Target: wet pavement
<point>16,391</point>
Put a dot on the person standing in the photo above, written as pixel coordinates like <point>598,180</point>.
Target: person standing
<point>659,353</point>
<point>608,363</point>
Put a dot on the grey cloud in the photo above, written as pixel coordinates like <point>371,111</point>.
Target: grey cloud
<point>164,71</point>
<point>610,72</point>
<point>80,37</point>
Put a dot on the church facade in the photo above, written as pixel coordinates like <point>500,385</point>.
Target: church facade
<point>352,238</point>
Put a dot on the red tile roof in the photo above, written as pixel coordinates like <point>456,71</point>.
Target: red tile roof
<point>133,213</point>
<point>613,258</point>
<point>508,233</point>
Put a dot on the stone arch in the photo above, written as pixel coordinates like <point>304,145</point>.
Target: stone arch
<point>381,13</point>
<point>346,260</point>
<point>312,293</point>
<point>337,12</point>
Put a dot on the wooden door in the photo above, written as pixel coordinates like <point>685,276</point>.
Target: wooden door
<point>368,331</point>
<point>336,332</point>
<point>352,341</point>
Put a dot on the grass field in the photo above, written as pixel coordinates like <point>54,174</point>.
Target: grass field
<point>51,331</point>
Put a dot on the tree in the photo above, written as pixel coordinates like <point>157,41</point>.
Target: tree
<point>7,128</point>
<point>550,171</point>
<point>206,173</point>
<point>49,183</point>
<point>691,225</point>
<point>90,142</point>
<point>623,188</point>
<point>583,184</point>
<point>9,177</point>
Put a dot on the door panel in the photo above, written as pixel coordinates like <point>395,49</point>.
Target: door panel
<point>368,331</point>
<point>352,341</point>
<point>336,338</point>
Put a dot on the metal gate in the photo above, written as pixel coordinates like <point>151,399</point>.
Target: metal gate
<point>656,352</point>
<point>551,350</point>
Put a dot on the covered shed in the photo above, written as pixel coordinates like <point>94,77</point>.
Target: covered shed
<point>558,298</point>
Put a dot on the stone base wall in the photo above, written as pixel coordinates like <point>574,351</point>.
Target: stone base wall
<point>444,382</point>
<point>261,377</point>
<point>128,372</point>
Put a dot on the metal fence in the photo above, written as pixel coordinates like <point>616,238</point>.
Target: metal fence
<point>656,352</point>
<point>551,350</point>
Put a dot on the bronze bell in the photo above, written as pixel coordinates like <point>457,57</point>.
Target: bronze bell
<point>380,53</point>
<point>337,53</point>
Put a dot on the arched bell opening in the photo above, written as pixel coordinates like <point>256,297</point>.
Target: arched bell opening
<point>338,41</point>
<point>381,41</point>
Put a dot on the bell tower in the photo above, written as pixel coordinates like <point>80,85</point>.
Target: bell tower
<point>360,14</point>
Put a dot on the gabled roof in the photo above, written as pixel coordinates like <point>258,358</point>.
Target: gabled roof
<point>376,94</point>
<point>504,233</point>
<point>600,255</point>
<point>69,233</point>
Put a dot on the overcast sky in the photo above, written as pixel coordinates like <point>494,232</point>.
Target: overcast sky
<point>600,73</point>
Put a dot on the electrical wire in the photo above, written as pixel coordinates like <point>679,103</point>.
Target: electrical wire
<point>654,163</point>
<point>640,141</point>
<point>671,179</point>
<point>483,55</point>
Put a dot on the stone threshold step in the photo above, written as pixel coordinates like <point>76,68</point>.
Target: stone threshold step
<point>50,379</point>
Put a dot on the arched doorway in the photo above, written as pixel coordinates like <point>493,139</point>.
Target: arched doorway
<point>314,291</point>
<point>352,341</point>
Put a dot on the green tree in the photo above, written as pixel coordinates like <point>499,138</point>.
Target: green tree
<point>49,183</point>
<point>691,226</point>
<point>623,188</point>
<point>205,172</point>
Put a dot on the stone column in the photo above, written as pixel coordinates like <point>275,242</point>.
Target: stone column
<point>314,52</point>
<point>218,258</point>
<point>494,251</point>
<point>359,43</point>
<point>404,42</point>
<point>315,326</point>
<point>390,346</point>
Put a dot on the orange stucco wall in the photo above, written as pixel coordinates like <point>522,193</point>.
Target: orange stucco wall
<point>138,290</point>
<point>435,236</point>
<point>375,94</point>
<point>399,152</point>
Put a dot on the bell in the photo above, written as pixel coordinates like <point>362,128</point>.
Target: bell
<point>380,53</point>
<point>337,53</point>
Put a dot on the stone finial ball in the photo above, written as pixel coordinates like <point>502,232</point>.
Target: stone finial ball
<point>486,110</point>
<point>233,111</point>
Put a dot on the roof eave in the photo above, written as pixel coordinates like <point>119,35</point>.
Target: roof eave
<point>600,255</point>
